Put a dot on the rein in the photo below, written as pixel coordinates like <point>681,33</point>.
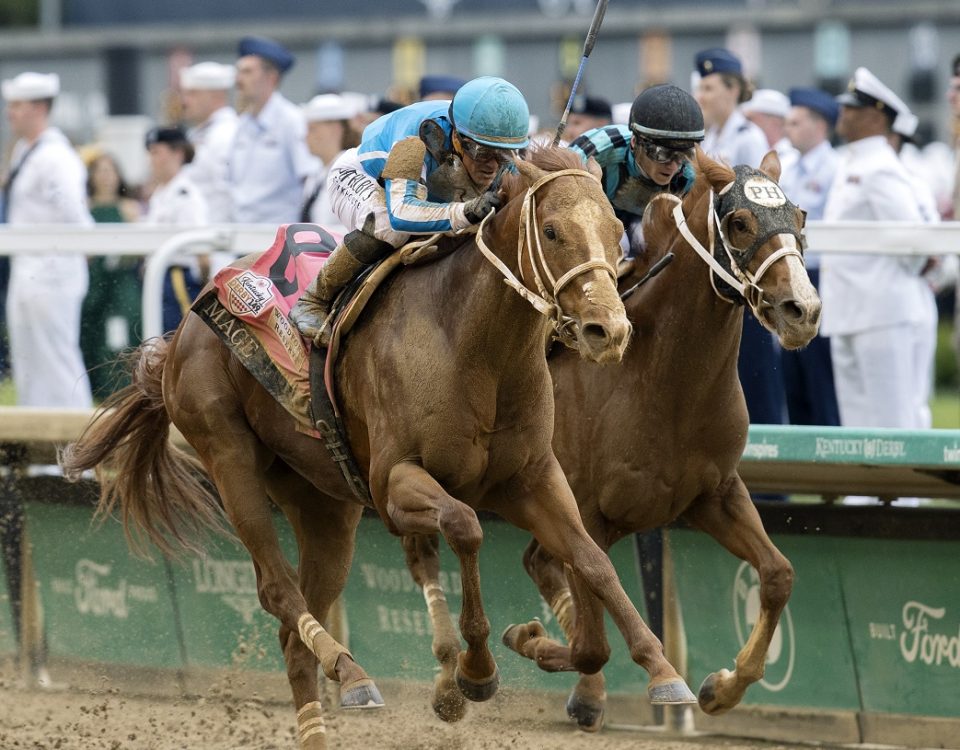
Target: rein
<point>544,300</point>
<point>741,280</point>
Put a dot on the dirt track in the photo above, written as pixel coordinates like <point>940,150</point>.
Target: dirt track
<point>58,719</point>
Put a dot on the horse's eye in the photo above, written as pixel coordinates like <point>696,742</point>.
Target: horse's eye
<point>739,225</point>
<point>550,233</point>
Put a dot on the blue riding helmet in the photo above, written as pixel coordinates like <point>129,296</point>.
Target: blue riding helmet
<point>492,112</point>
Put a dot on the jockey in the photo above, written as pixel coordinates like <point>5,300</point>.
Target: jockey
<point>384,191</point>
<point>651,155</point>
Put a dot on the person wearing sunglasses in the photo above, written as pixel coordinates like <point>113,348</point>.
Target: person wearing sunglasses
<point>398,182</point>
<point>649,155</point>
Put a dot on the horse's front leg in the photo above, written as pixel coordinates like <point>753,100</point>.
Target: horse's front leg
<point>731,518</point>
<point>545,505</point>
<point>417,504</point>
<point>423,561</point>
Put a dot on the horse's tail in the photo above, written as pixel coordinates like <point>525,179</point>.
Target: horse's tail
<point>163,493</point>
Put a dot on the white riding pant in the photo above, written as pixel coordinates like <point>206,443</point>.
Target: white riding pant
<point>354,195</point>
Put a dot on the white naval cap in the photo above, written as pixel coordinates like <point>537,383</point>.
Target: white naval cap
<point>866,90</point>
<point>208,76</point>
<point>620,113</point>
<point>326,107</point>
<point>767,102</point>
<point>31,87</point>
<point>905,124</point>
<point>359,102</point>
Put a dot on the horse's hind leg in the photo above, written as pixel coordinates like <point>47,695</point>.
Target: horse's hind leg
<point>417,504</point>
<point>732,520</point>
<point>423,560</point>
<point>325,530</point>
<point>587,700</point>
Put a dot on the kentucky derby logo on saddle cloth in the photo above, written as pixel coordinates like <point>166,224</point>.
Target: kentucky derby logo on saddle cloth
<point>247,307</point>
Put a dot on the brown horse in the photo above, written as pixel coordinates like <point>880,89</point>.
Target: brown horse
<point>660,437</point>
<point>448,405</point>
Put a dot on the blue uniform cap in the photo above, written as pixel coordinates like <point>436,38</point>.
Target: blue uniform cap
<point>717,60</point>
<point>440,85</point>
<point>818,100</point>
<point>269,50</point>
<point>592,106</point>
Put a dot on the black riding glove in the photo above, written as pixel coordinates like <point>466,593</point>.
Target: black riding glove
<point>480,206</point>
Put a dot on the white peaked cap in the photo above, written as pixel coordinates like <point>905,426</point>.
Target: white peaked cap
<point>621,113</point>
<point>767,102</point>
<point>866,90</point>
<point>208,76</point>
<point>906,124</point>
<point>31,87</point>
<point>326,107</point>
<point>359,102</point>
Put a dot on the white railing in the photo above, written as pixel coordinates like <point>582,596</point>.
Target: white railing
<point>161,244</point>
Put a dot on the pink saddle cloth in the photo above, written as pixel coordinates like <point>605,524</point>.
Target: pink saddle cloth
<point>259,291</point>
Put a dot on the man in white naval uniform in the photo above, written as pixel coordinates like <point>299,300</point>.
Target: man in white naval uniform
<point>872,304</point>
<point>205,90</point>
<point>47,186</point>
<point>768,110</point>
<point>269,160</point>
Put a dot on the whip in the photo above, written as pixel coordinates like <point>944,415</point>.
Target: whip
<point>587,49</point>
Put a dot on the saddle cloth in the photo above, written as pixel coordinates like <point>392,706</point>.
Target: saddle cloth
<point>248,304</point>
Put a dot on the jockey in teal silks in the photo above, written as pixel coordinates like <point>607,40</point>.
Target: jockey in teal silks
<point>385,191</point>
<point>650,155</point>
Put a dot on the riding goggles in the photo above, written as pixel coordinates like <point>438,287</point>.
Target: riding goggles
<point>663,154</point>
<point>480,153</point>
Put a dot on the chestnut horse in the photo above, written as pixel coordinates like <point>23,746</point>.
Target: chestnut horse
<point>660,437</point>
<point>448,405</point>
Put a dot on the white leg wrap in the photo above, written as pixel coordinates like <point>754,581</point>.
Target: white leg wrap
<point>329,649</point>
<point>562,607</point>
<point>310,721</point>
<point>433,595</point>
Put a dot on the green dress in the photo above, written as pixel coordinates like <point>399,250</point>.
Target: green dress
<point>110,321</point>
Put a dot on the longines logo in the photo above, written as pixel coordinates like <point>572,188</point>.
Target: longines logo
<point>781,655</point>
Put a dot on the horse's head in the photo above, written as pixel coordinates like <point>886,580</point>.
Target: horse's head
<point>569,246</point>
<point>761,234</point>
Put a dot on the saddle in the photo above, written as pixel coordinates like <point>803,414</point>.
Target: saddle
<point>247,305</point>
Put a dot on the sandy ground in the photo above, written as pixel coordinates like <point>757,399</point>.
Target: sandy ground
<point>33,719</point>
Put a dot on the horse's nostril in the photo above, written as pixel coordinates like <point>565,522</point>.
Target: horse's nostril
<point>792,311</point>
<point>595,333</point>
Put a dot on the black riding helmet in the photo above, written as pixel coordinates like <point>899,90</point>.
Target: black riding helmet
<point>667,116</point>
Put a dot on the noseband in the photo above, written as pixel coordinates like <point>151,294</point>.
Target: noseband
<point>544,300</point>
<point>744,282</point>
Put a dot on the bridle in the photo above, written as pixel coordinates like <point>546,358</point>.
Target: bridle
<point>739,278</point>
<point>544,300</point>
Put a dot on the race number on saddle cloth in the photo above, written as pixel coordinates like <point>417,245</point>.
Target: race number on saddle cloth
<point>248,305</point>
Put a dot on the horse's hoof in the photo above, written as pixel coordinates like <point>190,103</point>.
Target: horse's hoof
<point>362,694</point>
<point>672,692</point>
<point>449,703</point>
<point>516,635</point>
<point>481,691</point>
<point>707,698</point>
<point>588,714</point>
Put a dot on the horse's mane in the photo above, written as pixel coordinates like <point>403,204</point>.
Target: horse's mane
<point>547,158</point>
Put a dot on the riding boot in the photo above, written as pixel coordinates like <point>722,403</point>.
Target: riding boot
<point>311,312</point>
<point>358,250</point>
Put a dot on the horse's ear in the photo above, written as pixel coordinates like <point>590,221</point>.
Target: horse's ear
<point>529,170</point>
<point>435,139</point>
<point>770,165</point>
<point>594,168</point>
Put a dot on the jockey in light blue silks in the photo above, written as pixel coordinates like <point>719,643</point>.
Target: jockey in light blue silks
<point>390,186</point>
